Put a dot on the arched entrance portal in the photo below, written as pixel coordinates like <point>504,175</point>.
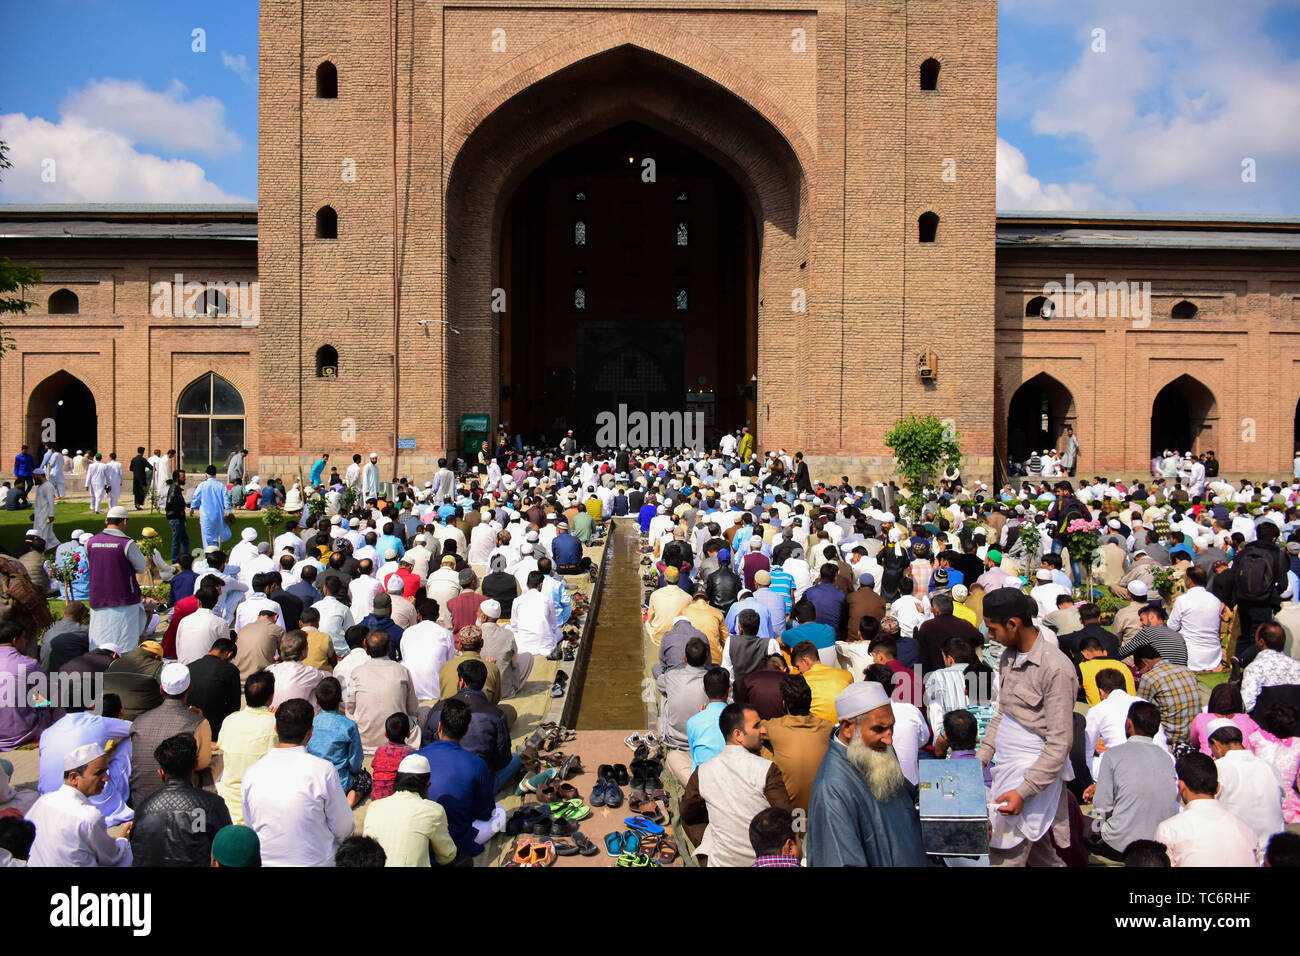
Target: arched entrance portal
<point>1039,411</point>
<point>1183,417</point>
<point>684,98</point>
<point>627,292</point>
<point>61,409</point>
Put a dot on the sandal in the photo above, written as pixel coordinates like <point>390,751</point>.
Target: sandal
<point>523,853</point>
<point>631,841</point>
<point>571,766</point>
<point>633,741</point>
<point>668,851</point>
<point>634,860</point>
<point>613,843</point>
<point>644,825</point>
<point>584,844</point>
<point>543,854</point>
<point>565,847</point>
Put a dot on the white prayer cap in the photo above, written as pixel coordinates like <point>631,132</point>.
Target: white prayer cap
<point>960,593</point>
<point>414,763</point>
<point>888,517</point>
<point>117,512</point>
<point>374,454</point>
<point>77,533</point>
<point>1137,588</point>
<point>895,536</point>
<point>1217,724</point>
<point>526,548</point>
<point>390,554</point>
<point>755,542</point>
<point>175,678</point>
<point>80,756</point>
<point>1204,541</point>
<point>420,539</point>
<point>532,536</point>
<point>860,698</point>
<point>1114,523</point>
<point>394,585</point>
<point>64,452</point>
<point>85,536</point>
<point>335,519</point>
<point>1044,574</point>
<point>249,534</point>
<point>491,608</point>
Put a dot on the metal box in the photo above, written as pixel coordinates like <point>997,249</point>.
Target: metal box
<point>954,809</point>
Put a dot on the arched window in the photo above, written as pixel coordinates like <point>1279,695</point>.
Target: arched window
<point>327,362</point>
<point>1034,308</point>
<point>683,299</point>
<point>579,232</point>
<point>928,226</point>
<point>209,422</point>
<point>579,298</point>
<point>327,223</point>
<point>930,74</point>
<point>64,302</point>
<point>1183,310</point>
<point>327,81</point>
<point>683,233</point>
<point>211,304</point>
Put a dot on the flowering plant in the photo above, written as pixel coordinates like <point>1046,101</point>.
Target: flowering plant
<point>1083,539</point>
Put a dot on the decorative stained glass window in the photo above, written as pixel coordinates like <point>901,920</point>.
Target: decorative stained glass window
<point>579,232</point>
<point>579,299</point>
<point>683,299</point>
<point>579,196</point>
<point>683,196</point>
<point>683,233</point>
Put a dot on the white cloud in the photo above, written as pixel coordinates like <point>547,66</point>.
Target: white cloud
<point>1020,191</point>
<point>1185,91</point>
<point>239,66</point>
<point>92,164</point>
<point>158,118</point>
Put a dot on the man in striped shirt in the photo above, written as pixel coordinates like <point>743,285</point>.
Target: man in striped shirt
<point>1156,633</point>
<point>783,584</point>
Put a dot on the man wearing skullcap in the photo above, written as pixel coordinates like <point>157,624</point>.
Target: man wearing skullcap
<point>407,824</point>
<point>70,830</point>
<point>665,604</point>
<point>236,846</point>
<point>116,606</point>
<point>862,810</point>
<point>173,716</point>
<point>1031,735</point>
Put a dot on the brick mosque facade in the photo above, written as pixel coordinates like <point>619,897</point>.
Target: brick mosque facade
<point>447,225</point>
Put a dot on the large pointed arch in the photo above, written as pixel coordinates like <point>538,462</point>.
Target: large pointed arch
<point>1037,415</point>
<point>62,408</point>
<point>573,102</point>
<point>1184,417</point>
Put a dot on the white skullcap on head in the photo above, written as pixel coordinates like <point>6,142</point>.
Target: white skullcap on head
<point>532,536</point>
<point>414,763</point>
<point>394,585</point>
<point>526,548</point>
<point>491,608</point>
<point>1217,723</point>
<point>390,554</point>
<point>1044,574</point>
<point>85,536</point>
<point>895,536</point>
<point>860,698</point>
<point>175,678</point>
<point>80,756</point>
<point>1137,588</point>
<point>248,534</point>
<point>755,542</point>
<point>1115,523</point>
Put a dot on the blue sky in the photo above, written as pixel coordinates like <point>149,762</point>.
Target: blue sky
<point>108,101</point>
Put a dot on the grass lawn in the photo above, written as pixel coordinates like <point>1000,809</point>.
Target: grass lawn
<point>70,515</point>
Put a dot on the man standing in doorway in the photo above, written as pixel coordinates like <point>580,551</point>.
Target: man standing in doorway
<point>24,465</point>
<point>1070,459</point>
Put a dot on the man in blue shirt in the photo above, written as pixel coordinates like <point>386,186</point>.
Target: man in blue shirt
<point>648,511</point>
<point>568,552</point>
<point>24,465</point>
<point>390,540</point>
<point>747,600</point>
<point>829,601</point>
<point>313,477</point>
<point>703,735</point>
<point>808,627</point>
<point>460,781</point>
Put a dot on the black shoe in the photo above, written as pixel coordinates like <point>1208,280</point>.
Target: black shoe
<point>569,654</point>
<point>620,775</point>
<point>556,654</point>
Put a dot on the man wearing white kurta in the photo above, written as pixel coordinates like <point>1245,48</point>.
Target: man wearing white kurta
<point>294,800</point>
<point>113,472</point>
<point>70,830</point>
<point>162,470</point>
<point>1196,615</point>
<point>532,618</point>
<point>370,478</point>
<point>96,482</point>
<point>52,466</point>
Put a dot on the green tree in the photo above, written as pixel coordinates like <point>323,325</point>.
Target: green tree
<point>922,447</point>
<point>14,278</point>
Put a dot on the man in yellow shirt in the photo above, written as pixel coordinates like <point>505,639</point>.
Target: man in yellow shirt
<point>1094,662</point>
<point>665,604</point>
<point>709,621</point>
<point>824,682</point>
<point>959,609</point>
<point>246,737</point>
<point>407,824</point>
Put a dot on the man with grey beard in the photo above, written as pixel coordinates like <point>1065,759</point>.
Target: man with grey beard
<point>863,811</point>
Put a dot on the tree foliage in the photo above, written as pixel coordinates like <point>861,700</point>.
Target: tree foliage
<point>922,447</point>
<point>14,278</point>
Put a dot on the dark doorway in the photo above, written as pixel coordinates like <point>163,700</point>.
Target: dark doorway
<point>1183,417</point>
<point>627,291</point>
<point>1040,409</point>
<point>61,409</point>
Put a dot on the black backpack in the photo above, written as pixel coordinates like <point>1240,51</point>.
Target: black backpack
<point>1254,578</point>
